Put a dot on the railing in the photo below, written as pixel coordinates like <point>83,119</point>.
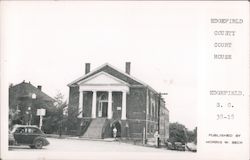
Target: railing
<point>85,125</point>
<point>105,129</point>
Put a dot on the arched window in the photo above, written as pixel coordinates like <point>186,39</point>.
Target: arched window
<point>103,97</point>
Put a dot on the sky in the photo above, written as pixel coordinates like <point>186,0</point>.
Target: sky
<point>48,43</point>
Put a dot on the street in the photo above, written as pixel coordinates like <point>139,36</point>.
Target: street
<point>70,145</point>
<point>100,149</point>
<point>79,145</point>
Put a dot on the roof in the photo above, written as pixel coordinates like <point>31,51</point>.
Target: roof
<point>20,125</point>
<point>114,72</point>
<point>24,89</point>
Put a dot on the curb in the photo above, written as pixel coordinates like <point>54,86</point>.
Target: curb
<point>92,139</point>
<point>79,138</point>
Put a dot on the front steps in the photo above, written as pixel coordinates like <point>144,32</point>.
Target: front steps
<point>95,129</point>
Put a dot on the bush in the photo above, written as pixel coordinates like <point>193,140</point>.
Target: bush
<point>177,133</point>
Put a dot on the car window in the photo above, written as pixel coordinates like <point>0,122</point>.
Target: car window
<point>29,130</point>
<point>33,130</point>
<point>20,130</point>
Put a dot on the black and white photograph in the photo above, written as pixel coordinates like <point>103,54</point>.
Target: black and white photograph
<point>100,77</point>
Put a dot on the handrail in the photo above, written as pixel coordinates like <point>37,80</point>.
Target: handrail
<point>86,123</point>
<point>104,127</point>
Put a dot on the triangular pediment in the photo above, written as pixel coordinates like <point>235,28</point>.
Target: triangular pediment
<point>102,78</point>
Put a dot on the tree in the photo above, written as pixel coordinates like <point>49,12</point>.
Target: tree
<point>177,133</point>
<point>14,117</point>
<point>53,122</point>
<point>73,121</point>
<point>192,135</point>
<point>195,135</point>
<point>59,98</point>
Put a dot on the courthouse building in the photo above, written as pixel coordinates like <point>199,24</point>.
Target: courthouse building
<point>108,98</point>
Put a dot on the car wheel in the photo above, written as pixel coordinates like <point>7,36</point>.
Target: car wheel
<point>38,144</point>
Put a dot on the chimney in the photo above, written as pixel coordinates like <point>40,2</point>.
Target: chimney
<point>127,69</point>
<point>39,87</point>
<point>87,68</point>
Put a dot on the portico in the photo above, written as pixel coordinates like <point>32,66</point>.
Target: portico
<point>103,86</point>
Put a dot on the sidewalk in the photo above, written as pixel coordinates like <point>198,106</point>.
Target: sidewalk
<point>79,138</point>
<point>137,143</point>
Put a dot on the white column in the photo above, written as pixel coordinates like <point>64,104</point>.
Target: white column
<point>110,105</point>
<point>93,115</point>
<point>124,105</point>
<point>80,108</point>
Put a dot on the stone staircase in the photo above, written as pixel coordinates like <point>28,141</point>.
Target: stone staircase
<point>85,124</point>
<point>95,129</point>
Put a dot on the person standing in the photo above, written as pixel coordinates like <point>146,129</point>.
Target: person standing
<point>114,132</point>
<point>156,136</point>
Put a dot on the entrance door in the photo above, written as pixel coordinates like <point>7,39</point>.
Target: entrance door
<point>103,109</point>
<point>116,125</point>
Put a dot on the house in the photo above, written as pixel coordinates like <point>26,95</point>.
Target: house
<point>24,100</point>
<point>108,98</point>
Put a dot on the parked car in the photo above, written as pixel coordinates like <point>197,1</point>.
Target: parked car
<point>11,139</point>
<point>191,147</point>
<point>28,135</point>
<point>176,146</point>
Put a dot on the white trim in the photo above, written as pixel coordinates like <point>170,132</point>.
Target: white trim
<point>78,79</point>
<point>110,114</point>
<point>103,73</point>
<point>102,85</point>
<point>93,114</point>
<point>124,106</point>
<point>80,107</point>
<point>104,88</point>
<point>135,79</point>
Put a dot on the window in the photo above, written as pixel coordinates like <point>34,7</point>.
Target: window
<point>29,130</point>
<point>104,97</point>
<point>147,109</point>
<point>36,131</point>
<point>20,130</point>
<point>153,110</point>
<point>156,112</point>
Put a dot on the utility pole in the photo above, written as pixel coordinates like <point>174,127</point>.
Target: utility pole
<point>159,113</point>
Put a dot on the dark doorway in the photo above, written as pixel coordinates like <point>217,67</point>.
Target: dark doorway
<point>116,125</point>
<point>102,104</point>
<point>104,109</point>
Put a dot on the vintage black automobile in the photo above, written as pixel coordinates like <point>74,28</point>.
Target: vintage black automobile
<point>176,146</point>
<point>27,135</point>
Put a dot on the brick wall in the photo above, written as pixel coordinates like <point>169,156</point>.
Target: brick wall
<point>136,112</point>
<point>73,99</point>
<point>117,105</point>
<point>87,104</point>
